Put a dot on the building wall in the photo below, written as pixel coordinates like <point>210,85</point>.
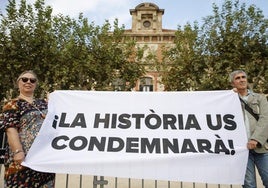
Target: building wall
<point>147,31</point>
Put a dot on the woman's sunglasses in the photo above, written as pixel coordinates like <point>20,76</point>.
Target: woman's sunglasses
<point>25,79</point>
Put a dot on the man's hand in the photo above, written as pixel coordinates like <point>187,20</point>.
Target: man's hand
<point>235,90</point>
<point>252,144</point>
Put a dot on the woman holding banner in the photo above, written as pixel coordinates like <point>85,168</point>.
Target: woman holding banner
<point>255,110</point>
<point>23,117</point>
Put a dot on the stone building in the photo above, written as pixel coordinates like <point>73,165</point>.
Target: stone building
<point>147,31</point>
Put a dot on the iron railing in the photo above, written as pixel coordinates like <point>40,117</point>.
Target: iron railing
<point>86,181</point>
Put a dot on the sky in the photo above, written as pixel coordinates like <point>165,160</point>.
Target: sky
<point>177,12</point>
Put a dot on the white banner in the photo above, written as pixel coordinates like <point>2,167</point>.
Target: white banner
<point>177,136</point>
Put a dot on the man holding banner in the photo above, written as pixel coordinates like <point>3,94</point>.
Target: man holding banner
<point>255,109</point>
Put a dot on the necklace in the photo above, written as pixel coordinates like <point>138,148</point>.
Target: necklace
<point>26,98</point>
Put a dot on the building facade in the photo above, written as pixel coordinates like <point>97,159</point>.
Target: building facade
<point>147,31</point>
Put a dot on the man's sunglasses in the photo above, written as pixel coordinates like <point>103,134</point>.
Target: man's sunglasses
<point>25,79</point>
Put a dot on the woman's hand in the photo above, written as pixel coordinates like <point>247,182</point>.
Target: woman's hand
<point>19,157</point>
<point>15,144</point>
<point>47,96</point>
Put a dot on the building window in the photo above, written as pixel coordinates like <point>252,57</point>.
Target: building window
<point>146,38</point>
<point>146,84</point>
<point>147,16</point>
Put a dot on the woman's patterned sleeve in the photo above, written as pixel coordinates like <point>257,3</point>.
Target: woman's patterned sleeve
<point>11,115</point>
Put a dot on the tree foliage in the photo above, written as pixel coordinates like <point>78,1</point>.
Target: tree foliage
<point>69,53</point>
<point>65,53</point>
<point>182,60</point>
<point>235,37</point>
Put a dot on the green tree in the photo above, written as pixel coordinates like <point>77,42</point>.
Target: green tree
<point>235,37</point>
<point>183,60</point>
<point>64,52</point>
<point>26,41</point>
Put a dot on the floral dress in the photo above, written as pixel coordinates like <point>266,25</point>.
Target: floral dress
<point>27,119</point>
